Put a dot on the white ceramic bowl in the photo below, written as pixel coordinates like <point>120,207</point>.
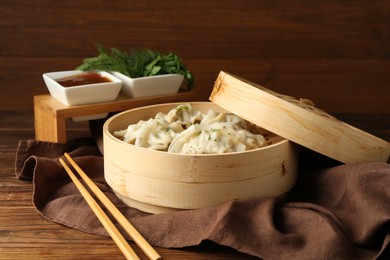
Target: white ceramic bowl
<point>150,86</point>
<point>82,94</point>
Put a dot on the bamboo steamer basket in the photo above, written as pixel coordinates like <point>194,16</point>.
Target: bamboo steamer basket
<point>159,182</point>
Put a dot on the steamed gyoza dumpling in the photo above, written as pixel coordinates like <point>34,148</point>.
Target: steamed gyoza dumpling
<point>155,134</point>
<point>215,138</point>
<point>183,114</point>
<point>187,130</point>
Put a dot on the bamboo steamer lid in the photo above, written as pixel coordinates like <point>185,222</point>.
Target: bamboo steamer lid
<point>297,120</point>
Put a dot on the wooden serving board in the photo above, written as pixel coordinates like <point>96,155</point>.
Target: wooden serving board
<point>50,114</point>
<point>297,120</point>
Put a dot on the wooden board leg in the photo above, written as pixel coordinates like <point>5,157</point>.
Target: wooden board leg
<point>49,128</point>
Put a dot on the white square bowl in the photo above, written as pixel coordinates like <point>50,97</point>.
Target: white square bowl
<point>82,94</point>
<point>150,86</point>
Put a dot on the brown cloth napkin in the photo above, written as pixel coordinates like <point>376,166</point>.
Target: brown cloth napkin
<point>339,212</point>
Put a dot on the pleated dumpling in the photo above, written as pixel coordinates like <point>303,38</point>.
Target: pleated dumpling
<point>189,131</point>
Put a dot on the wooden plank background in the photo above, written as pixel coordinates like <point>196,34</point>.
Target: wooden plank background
<point>335,53</point>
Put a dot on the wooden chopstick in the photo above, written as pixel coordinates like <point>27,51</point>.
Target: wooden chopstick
<point>106,222</point>
<point>122,220</point>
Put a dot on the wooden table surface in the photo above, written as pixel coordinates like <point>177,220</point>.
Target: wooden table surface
<point>24,234</point>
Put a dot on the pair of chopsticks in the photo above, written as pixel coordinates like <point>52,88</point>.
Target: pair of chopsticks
<point>121,242</point>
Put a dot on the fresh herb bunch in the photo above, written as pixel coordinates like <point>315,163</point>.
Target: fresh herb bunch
<point>138,63</point>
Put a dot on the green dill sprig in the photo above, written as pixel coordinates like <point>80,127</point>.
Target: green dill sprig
<point>137,63</point>
<point>114,61</point>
